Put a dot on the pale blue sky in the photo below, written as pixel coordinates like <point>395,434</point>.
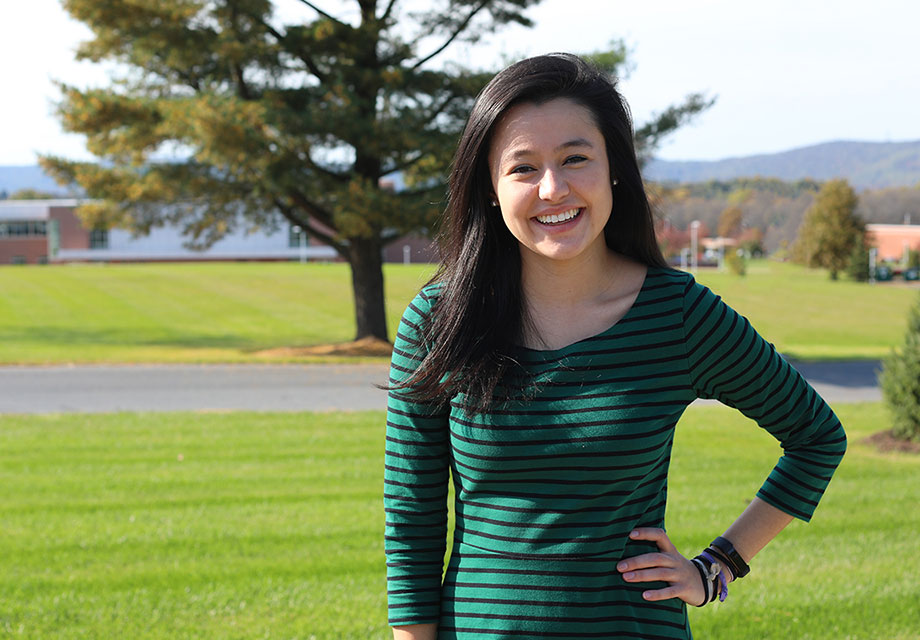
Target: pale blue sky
<point>786,73</point>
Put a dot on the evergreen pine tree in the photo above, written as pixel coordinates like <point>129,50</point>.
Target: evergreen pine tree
<point>900,380</point>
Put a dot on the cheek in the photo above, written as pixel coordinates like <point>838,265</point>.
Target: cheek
<point>510,221</point>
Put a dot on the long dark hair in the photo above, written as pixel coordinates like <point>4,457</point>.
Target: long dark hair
<point>479,317</point>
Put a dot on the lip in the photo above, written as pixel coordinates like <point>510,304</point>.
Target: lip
<point>558,211</point>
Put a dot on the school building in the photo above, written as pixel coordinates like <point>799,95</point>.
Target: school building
<point>48,231</point>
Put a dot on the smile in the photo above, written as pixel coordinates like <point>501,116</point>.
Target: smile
<point>557,218</point>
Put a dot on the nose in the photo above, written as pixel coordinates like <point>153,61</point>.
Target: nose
<point>553,186</point>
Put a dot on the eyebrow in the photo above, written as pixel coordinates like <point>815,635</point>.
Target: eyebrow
<point>576,142</point>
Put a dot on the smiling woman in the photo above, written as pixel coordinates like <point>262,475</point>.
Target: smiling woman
<point>544,370</point>
<point>551,177</point>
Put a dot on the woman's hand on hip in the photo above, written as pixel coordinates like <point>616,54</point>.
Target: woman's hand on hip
<point>668,565</point>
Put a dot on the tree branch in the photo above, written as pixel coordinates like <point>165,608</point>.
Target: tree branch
<point>438,110</point>
<point>338,177</point>
<point>323,13</point>
<point>405,164</point>
<point>303,57</point>
<point>311,207</point>
<point>322,236</point>
<point>460,28</point>
<point>389,9</point>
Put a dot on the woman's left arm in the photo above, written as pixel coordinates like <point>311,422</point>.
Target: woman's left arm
<point>727,360</point>
<point>755,527</point>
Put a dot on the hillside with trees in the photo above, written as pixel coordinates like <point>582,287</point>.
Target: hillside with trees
<point>865,165</point>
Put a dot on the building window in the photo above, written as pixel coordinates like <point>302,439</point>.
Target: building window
<point>99,239</point>
<point>297,237</point>
<point>42,259</point>
<point>23,228</point>
<point>18,260</point>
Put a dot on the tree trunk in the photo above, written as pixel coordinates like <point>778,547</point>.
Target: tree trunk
<point>365,255</point>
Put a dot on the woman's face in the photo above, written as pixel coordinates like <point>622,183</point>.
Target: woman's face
<point>551,178</point>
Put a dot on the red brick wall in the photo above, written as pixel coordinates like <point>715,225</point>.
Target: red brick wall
<point>30,247</point>
<point>421,249</point>
<point>73,235</point>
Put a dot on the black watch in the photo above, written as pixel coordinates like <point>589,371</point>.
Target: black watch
<point>737,565</point>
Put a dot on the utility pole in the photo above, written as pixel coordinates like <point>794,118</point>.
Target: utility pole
<point>694,242</point>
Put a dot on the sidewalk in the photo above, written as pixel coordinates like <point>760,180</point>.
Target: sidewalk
<point>106,388</point>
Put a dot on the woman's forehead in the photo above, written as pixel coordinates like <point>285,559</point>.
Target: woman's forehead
<point>548,126</point>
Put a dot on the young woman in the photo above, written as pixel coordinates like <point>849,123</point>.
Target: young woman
<point>545,367</point>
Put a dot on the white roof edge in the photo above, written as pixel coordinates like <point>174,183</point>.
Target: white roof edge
<point>51,202</point>
<point>879,225</point>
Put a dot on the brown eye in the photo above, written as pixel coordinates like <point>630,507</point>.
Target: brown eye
<point>522,169</point>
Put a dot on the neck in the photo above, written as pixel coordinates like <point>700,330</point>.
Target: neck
<point>569,283</point>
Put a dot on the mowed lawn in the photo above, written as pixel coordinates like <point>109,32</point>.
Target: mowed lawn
<point>212,312</point>
<point>233,312</point>
<point>269,525</point>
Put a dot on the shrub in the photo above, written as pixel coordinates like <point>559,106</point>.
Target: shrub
<point>900,380</point>
<point>735,262</point>
<point>913,259</point>
<point>858,267</point>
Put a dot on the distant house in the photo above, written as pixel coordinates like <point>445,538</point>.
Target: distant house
<point>43,231</point>
<point>894,240</point>
<point>714,247</point>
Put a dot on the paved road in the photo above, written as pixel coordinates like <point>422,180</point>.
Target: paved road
<point>190,387</point>
<point>277,387</point>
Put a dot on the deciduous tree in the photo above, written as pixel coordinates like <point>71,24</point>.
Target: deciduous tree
<point>830,229</point>
<point>231,116</point>
<point>730,222</point>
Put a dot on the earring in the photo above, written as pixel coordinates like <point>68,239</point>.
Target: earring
<point>493,202</point>
<point>615,182</point>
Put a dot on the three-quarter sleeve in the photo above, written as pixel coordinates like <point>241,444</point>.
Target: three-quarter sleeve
<point>730,362</point>
<point>415,483</point>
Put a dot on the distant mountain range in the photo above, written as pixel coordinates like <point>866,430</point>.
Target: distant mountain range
<point>867,165</point>
<point>14,178</point>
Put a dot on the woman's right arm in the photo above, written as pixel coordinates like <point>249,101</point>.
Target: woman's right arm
<point>415,490</point>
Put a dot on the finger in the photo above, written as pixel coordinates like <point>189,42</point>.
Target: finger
<point>647,560</point>
<point>662,594</point>
<point>660,574</point>
<point>657,535</point>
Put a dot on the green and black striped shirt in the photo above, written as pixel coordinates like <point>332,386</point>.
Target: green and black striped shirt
<point>549,484</point>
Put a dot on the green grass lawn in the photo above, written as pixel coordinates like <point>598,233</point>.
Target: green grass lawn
<point>269,525</point>
<point>229,312</point>
<point>212,312</point>
<point>807,316</point>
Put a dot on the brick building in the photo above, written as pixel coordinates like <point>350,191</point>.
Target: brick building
<point>42,231</point>
<point>894,240</point>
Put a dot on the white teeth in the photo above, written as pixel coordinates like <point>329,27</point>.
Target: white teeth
<point>560,217</point>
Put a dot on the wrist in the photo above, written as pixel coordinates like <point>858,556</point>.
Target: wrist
<point>724,551</point>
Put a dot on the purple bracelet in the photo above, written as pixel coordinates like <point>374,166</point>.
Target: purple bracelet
<point>723,584</point>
